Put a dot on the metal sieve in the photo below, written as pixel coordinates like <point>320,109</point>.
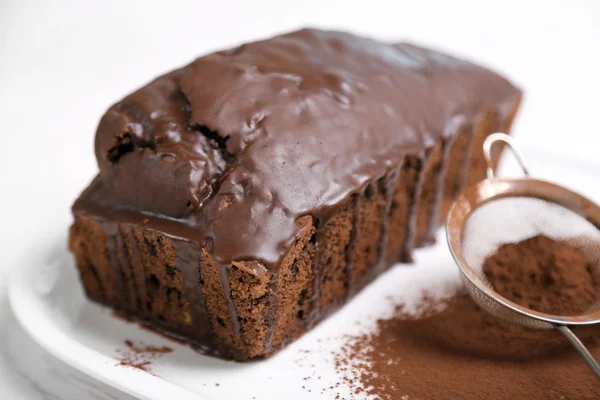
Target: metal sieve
<point>497,211</point>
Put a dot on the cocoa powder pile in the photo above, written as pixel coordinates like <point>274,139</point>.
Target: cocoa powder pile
<point>544,275</point>
<point>464,353</point>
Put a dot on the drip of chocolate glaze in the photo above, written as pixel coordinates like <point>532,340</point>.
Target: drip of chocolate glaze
<point>452,128</point>
<point>188,254</point>
<point>389,185</point>
<point>235,323</point>
<point>110,229</point>
<point>140,281</point>
<point>406,252</point>
<point>125,268</point>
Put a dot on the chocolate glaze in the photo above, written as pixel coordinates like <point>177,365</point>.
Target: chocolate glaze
<point>140,277</point>
<point>239,144</point>
<point>110,230</point>
<point>389,185</point>
<point>406,252</point>
<point>189,254</point>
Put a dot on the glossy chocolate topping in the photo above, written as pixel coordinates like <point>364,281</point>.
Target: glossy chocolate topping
<point>239,144</point>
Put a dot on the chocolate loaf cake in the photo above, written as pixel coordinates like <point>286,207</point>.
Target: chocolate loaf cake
<point>244,197</point>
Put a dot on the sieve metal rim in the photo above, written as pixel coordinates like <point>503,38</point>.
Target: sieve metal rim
<point>497,188</point>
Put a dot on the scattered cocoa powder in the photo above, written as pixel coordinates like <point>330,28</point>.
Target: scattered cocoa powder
<point>140,355</point>
<point>142,348</point>
<point>464,353</point>
<point>142,365</point>
<point>544,275</point>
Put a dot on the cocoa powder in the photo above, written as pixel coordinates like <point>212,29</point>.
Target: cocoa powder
<point>140,355</point>
<point>544,275</point>
<point>464,353</point>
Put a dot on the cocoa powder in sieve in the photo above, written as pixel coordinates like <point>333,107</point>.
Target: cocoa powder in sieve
<point>544,275</point>
<point>464,353</point>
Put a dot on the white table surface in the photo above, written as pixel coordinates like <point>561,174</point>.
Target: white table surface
<point>62,63</point>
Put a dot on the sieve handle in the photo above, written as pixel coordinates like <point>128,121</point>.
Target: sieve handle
<point>580,347</point>
<point>487,152</point>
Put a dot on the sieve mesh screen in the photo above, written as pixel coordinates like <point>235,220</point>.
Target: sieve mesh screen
<point>513,219</point>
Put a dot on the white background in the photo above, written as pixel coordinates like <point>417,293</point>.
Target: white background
<point>62,63</point>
